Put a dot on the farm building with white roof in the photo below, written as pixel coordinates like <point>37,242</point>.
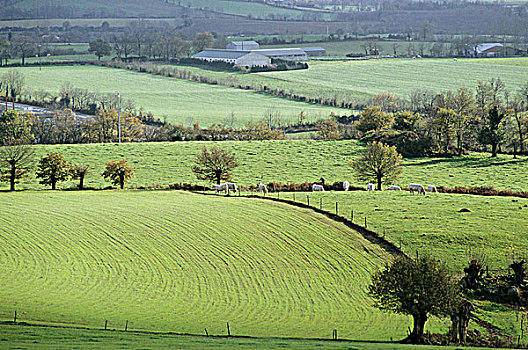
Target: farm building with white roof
<point>314,51</point>
<point>238,58</point>
<point>293,54</point>
<point>243,45</point>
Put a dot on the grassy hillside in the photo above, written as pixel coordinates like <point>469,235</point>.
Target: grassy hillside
<point>181,262</point>
<point>433,224</point>
<point>353,79</point>
<point>282,161</point>
<point>52,339</point>
<point>110,8</point>
<point>180,101</point>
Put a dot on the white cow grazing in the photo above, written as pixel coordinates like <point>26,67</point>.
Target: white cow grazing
<point>222,187</point>
<point>316,187</point>
<point>370,187</point>
<point>231,186</point>
<point>417,188</point>
<point>394,188</point>
<point>346,185</point>
<point>432,188</point>
<point>262,188</point>
<point>454,59</point>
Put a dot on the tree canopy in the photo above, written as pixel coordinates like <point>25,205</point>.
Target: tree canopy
<point>52,169</point>
<point>214,165</point>
<point>100,48</point>
<point>118,172</point>
<point>419,287</point>
<point>380,163</point>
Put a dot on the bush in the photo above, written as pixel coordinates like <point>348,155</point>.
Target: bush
<point>408,143</point>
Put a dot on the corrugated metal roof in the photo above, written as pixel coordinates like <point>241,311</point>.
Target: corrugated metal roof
<point>485,47</point>
<point>313,49</point>
<point>240,43</point>
<point>280,52</point>
<point>219,53</point>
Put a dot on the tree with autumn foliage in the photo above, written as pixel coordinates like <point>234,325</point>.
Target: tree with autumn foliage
<point>214,164</point>
<point>118,172</point>
<point>52,169</point>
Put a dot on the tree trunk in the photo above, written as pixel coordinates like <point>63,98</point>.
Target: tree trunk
<point>416,337</point>
<point>81,182</point>
<point>122,181</point>
<point>12,178</point>
<point>53,183</point>
<point>494,150</point>
<point>379,183</point>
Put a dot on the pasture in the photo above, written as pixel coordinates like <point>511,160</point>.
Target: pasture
<point>172,261</point>
<point>14,337</point>
<point>359,79</point>
<point>434,224</point>
<point>284,161</point>
<point>179,101</point>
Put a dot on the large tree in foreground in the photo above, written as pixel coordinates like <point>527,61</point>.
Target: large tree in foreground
<point>118,172</point>
<point>15,163</point>
<point>380,163</point>
<point>214,165</point>
<point>419,287</point>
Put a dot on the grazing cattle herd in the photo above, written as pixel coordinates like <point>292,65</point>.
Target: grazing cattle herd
<point>263,189</point>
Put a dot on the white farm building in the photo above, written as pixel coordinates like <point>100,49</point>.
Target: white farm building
<point>243,45</point>
<point>238,58</point>
<point>287,54</point>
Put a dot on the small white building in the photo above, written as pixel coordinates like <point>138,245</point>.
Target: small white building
<point>243,45</point>
<point>239,58</point>
<point>287,54</point>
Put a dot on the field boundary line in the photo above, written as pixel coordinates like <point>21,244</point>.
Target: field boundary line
<point>369,235</point>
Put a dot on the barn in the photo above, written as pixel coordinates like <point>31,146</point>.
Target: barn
<point>238,58</point>
<point>314,51</point>
<point>243,45</point>
<point>293,54</point>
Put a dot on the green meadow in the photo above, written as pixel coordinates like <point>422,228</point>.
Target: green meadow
<point>164,163</point>
<point>177,101</point>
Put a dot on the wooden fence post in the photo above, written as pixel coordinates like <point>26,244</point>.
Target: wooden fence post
<point>320,203</point>
<point>106,324</point>
<point>337,208</point>
<point>15,316</point>
<point>206,333</point>
<point>294,196</point>
<point>228,330</point>
<point>366,225</point>
<point>352,215</point>
<point>308,200</point>
<point>126,325</point>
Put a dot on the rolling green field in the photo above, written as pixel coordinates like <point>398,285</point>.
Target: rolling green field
<point>243,8</point>
<point>356,79</point>
<point>180,101</point>
<point>182,262</point>
<point>14,337</point>
<point>285,161</point>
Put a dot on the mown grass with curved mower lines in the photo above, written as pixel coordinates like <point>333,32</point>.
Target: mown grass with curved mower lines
<point>182,262</point>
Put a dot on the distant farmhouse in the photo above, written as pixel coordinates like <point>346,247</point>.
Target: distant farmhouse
<point>243,45</point>
<point>248,54</point>
<point>495,50</point>
<point>240,58</point>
